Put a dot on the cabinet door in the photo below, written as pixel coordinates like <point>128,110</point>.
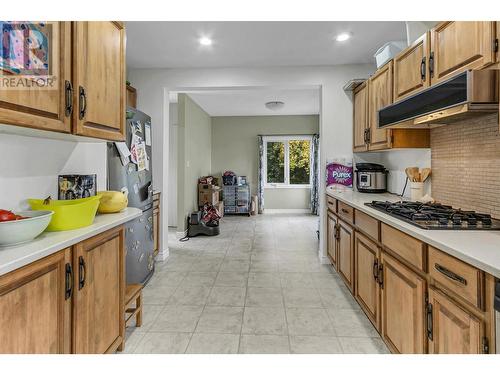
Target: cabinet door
<point>380,92</point>
<point>99,71</point>
<point>345,253</point>
<point>460,45</point>
<point>35,313</point>
<point>360,105</point>
<point>410,68</point>
<point>403,305</point>
<point>454,330</point>
<point>331,238</point>
<point>43,107</point>
<point>98,322</point>
<point>366,255</point>
<point>156,231</point>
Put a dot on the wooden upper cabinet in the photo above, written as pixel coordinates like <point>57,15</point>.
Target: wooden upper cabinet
<point>99,325</point>
<point>345,253</point>
<point>410,68</point>
<point>35,310</point>
<point>99,79</point>
<point>366,260</point>
<point>380,91</point>
<point>403,304</point>
<point>454,330</point>
<point>457,46</point>
<point>360,117</point>
<point>331,238</point>
<point>43,107</point>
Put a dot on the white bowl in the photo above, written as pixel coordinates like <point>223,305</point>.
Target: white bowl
<point>16,232</point>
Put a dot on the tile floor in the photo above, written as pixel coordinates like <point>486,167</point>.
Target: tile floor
<point>258,287</point>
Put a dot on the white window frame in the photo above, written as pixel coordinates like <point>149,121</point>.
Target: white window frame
<point>286,139</point>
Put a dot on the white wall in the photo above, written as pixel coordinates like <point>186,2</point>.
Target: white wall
<point>396,161</point>
<point>29,167</point>
<point>335,116</point>
<point>172,166</point>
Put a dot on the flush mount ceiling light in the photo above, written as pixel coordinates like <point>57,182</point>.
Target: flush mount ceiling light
<point>274,105</point>
<point>342,37</point>
<point>205,41</point>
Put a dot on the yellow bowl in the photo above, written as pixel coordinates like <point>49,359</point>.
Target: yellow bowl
<point>68,214</point>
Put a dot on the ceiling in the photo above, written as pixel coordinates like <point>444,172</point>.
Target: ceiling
<point>255,44</point>
<point>250,102</point>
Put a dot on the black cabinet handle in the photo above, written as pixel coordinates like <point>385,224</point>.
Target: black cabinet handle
<point>82,272</point>
<point>344,210</point>
<point>375,270</point>
<point>69,281</point>
<point>430,323</point>
<point>422,68</point>
<point>82,102</point>
<point>68,88</point>
<point>368,135</point>
<point>380,275</point>
<point>450,274</point>
<point>431,64</point>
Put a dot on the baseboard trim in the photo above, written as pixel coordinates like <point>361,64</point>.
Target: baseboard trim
<point>162,255</point>
<point>324,259</point>
<point>180,235</point>
<point>287,211</point>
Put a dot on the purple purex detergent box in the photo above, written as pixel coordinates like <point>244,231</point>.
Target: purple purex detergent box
<point>339,174</point>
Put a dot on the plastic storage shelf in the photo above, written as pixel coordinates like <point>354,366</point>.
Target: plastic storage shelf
<point>236,199</point>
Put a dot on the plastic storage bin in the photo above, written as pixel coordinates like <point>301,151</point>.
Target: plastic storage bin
<point>388,51</point>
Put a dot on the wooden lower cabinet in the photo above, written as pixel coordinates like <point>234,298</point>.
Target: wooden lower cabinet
<point>452,329</point>
<point>345,253</point>
<point>98,308</point>
<point>332,238</point>
<point>403,306</point>
<point>156,223</point>
<point>367,291</point>
<point>35,310</point>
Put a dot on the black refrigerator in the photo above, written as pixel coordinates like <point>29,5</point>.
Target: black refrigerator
<point>123,175</point>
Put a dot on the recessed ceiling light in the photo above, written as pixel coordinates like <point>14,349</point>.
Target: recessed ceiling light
<point>205,41</point>
<point>342,37</point>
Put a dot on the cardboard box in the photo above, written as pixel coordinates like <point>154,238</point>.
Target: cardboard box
<point>208,194</point>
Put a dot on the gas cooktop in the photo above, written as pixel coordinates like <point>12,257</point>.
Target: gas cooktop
<point>436,216</point>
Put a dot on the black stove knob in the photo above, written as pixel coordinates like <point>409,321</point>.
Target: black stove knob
<point>471,221</point>
<point>486,221</point>
<point>443,221</point>
<point>457,221</point>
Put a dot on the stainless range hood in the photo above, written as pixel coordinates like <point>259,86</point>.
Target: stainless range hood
<point>465,95</point>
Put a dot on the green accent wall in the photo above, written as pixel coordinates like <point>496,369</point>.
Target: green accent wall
<point>194,139</point>
<point>234,147</point>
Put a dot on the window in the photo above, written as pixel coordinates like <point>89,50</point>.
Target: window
<point>287,161</point>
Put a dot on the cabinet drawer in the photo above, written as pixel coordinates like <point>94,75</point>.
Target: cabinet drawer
<point>345,211</point>
<point>459,277</point>
<point>367,224</point>
<point>331,203</point>
<point>407,247</point>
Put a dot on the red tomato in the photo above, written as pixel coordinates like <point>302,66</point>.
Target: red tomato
<point>7,215</point>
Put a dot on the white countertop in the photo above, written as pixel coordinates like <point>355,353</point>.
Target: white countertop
<point>478,248</point>
<point>14,257</point>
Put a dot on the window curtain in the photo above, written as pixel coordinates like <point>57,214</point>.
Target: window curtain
<point>260,187</point>
<point>315,174</point>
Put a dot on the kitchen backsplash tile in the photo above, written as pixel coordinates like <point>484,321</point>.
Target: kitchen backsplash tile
<point>465,161</point>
